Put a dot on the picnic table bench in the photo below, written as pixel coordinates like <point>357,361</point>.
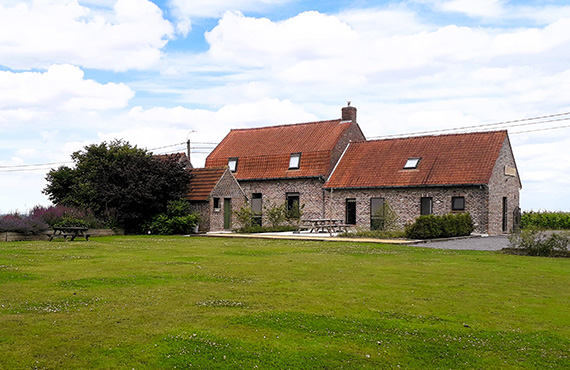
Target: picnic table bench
<point>71,232</point>
<point>323,225</point>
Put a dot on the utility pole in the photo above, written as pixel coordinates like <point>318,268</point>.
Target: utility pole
<point>188,148</point>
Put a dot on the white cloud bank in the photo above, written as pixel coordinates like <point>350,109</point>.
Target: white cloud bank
<point>39,33</point>
<point>61,88</point>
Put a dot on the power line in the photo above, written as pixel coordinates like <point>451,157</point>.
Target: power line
<point>35,165</point>
<point>488,125</point>
<point>539,129</point>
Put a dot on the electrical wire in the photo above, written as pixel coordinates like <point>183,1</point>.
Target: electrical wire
<point>487,125</point>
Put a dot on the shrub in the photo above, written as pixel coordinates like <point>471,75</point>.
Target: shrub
<point>177,220</point>
<point>19,224</point>
<point>533,242</point>
<point>65,216</point>
<point>546,220</point>
<point>245,217</point>
<point>430,226</point>
<point>276,213</point>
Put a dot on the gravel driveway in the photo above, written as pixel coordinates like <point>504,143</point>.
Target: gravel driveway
<point>487,243</point>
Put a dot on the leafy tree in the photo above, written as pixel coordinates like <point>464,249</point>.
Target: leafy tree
<point>117,180</point>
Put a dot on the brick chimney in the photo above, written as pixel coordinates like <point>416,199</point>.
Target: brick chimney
<point>349,113</point>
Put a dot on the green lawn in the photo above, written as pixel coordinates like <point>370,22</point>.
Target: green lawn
<point>206,303</point>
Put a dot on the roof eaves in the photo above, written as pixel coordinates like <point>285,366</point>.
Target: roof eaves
<point>403,186</point>
<point>283,178</point>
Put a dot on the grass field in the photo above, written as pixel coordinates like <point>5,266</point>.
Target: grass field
<point>206,303</point>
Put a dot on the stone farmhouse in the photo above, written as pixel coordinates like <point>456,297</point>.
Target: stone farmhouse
<point>334,172</point>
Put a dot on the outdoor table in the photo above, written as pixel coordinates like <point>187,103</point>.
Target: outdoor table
<point>72,232</point>
<point>325,225</point>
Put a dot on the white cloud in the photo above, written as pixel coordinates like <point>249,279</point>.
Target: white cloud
<point>156,127</point>
<point>27,95</point>
<point>39,33</point>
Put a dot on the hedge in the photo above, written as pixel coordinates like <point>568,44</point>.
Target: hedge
<point>430,226</point>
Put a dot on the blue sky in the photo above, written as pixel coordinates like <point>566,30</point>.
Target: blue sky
<point>77,72</point>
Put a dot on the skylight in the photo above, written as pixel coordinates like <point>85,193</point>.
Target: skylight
<point>294,161</point>
<point>232,163</point>
<point>412,163</point>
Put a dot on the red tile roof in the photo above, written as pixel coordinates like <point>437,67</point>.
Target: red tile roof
<point>264,152</point>
<point>457,159</point>
<point>203,181</point>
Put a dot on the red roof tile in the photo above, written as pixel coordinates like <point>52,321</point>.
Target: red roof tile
<point>203,181</point>
<point>264,152</point>
<point>457,159</point>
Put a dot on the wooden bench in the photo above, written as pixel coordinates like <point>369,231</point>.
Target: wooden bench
<point>71,232</point>
<point>303,227</point>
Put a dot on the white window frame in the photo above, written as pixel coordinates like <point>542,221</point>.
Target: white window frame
<point>412,163</point>
<point>232,164</point>
<point>295,161</point>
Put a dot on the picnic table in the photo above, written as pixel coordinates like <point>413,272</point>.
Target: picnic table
<point>329,225</point>
<point>69,231</point>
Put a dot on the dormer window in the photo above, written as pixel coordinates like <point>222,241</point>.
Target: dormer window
<point>294,161</point>
<point>412,163</point>
<point>232,164</point>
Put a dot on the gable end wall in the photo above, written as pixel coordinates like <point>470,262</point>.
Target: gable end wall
<point>501,185</point>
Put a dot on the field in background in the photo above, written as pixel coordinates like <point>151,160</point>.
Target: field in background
<point>206,303</point>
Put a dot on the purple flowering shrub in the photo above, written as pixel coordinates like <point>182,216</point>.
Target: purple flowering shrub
<point>42,218</point>
<point>65,216</point>
<point>17,223</point>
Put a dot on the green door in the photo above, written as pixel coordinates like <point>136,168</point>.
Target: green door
<point>227,213</point>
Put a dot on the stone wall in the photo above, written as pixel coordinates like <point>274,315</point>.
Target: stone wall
<point>503,185</point>
<point>353,133</point>
<point>406,203</point>
<point>202,209</point>
<point>275,192</point>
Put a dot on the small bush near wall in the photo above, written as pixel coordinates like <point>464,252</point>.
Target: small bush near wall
<point>546,220</point>
<point>533,242</point>
<point>178,220</point>
<point>429,227</point>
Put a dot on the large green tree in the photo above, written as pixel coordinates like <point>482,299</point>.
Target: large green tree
<point>118,181</point>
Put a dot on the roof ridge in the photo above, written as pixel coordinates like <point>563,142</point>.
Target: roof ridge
<point>284,153</point>
<point>290,124</point>
<point>440,135</point>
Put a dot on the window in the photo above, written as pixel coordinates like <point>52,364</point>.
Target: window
<point>426,206</point>
<point>232,163</point>
<point>256,207</point>
<point>376,213</point>
<point>216,204</point>
<point>293,209</point>
<point>351,211</point>
<point>412,163</point>
<point>294,161</point>
<point>458,203</point>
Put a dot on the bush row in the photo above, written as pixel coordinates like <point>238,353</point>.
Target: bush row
<point>546,220</point>
<point>430,226</point>
<point>533,242</point>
